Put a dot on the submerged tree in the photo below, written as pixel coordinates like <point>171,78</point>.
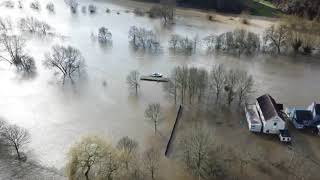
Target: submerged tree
<point>16,137</point>
<point>153,113</point>
<point>13,48</point>
<point>185,45</point>
<point>245,86</point>
<point>66,60</point>
<point>143,39</point>
<point>276,38</point>
<point>231,83</point>
<point>33,25</point>
<point>217,80</point>
<point>73,4</point>
<point>50,7</point>
<point>104,35</point>
<point>133,80</point>
<point>238,42</point>
<point>35,5</point>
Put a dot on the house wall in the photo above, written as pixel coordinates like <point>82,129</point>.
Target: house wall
<point>273,125</point>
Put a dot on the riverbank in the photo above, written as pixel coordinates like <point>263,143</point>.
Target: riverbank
<point>199,14</point>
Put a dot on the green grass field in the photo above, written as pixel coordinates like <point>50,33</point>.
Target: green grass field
<point>263,8</point>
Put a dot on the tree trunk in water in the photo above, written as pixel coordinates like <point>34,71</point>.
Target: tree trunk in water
<point>18,153</point>
<point>87,173</point>
<point>136,89</point>
<point>152,175</point>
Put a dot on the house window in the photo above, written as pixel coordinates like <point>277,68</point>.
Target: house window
<point>275,124</point>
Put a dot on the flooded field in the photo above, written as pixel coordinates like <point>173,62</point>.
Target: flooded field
<point>58,115</point>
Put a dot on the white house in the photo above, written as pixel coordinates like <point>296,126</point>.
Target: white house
<point>269,112</point>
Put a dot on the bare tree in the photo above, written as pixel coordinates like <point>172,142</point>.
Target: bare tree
<point>87,156</point>
<point>192,83</point>
<point>143,38</point>
<point>15,137</point>
<point>276,37</point>
<point>171,87</point>
<point>210,42</point>
<point>73,4</point>
<point>33,25</point>
<point>128,148</point>
<point>133,80</point>
<point>153,113</point>
<point>178,43</point>
<point>50,7</point>
<point>231,84</point>
<point>245,86</point>
<point>104,35</point>
<point>5,25</point>
<point>110,165</point>
<point>195,147</point>
<point>202,83</point>
<point>166,10</point>
<point>66,60</point>
<point>13,46</point>
<point>35,5</point>
<point>218,77</point>
<point>151,161</point>
<point>182,81</point>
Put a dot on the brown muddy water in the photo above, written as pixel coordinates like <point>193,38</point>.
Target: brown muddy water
<point>57,116</point>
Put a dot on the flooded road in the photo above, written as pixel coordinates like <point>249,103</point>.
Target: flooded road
<point>57,116</point>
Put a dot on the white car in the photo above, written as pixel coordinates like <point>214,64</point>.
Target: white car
<point>157,75</point>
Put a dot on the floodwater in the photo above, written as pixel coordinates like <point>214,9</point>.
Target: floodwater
<point>57,116</point>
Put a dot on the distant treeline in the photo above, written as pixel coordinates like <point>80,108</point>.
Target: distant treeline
<point>234,6</point>
<point>304,8</point>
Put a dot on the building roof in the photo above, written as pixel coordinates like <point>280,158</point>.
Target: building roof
<point>252,114</point>
<point>303,115</point>
<point>268,106</point>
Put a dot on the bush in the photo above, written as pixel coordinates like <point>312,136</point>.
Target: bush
<point>138,12</point>
<point>35,5</point>
<point>245,18</point>
<point>50,7</point>
<point>92,9</point>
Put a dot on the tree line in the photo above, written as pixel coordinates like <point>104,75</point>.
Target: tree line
<point>94,157</point>
<point>283,38</point>
<point>191,85</point>
<point>234,6</point>
<point>304,8</point>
